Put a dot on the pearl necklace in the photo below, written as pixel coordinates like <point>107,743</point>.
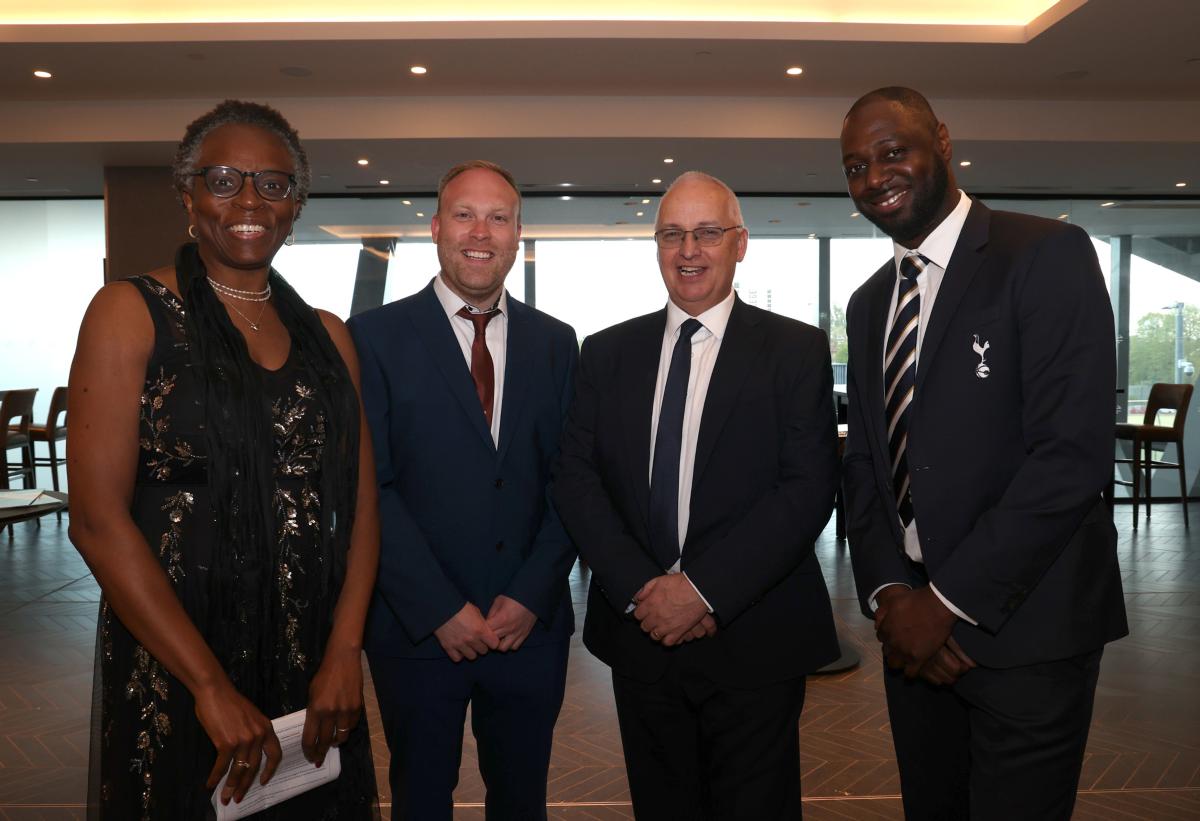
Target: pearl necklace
<point>235,293</point>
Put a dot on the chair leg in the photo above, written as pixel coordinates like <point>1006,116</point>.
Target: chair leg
<point>1183,495</point>
<point>54,470</point>
<point>1136,475</point>
<point>1149,463</point>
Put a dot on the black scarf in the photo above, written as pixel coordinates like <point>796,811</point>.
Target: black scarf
<point>238,625</point>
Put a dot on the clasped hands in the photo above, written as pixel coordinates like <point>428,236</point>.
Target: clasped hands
<point>914,627</point>
<point>671,611</point>
<point>469,635</point>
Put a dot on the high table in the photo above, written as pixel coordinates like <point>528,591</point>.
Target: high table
<point>51,501</point>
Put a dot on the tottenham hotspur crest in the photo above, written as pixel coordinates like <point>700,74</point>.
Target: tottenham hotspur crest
<point>981,370</point>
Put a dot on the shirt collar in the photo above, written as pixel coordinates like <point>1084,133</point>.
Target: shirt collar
<point>715,319</point>
<point>938,247</point>
<point>452,302</point>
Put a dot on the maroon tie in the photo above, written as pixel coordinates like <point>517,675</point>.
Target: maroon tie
<point>482,369</point>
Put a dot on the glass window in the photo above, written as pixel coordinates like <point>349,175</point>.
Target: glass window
<point>323,274</point>
<point>51,265</point>
<point>413,264</point>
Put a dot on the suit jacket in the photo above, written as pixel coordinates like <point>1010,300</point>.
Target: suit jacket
<point>1007,464</point>
<point>462,520</point>
<point>763,486</point>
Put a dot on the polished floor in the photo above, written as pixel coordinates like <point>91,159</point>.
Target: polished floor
<point>1143,757</point>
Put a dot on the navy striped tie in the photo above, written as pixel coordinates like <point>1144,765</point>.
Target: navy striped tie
<point>900,378</point>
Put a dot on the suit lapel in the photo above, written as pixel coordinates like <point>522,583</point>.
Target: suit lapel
<point>639,366</point>
<point>433,326</point>
<point>743,338</point>
<point>519,353</point>
<point>964,263</point>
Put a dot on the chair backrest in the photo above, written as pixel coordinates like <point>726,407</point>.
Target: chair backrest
<point>1165,396</point>
<point>17,405</point>
<point>58,407</point>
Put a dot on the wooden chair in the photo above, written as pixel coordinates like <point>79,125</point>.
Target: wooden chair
<point>1162,397</point>
<point>17,405</point>
<point>52,432</point>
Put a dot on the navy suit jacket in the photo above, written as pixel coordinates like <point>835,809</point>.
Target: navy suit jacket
<point>462,519</point>
<point>1006,469</point>
<point>762,489</point>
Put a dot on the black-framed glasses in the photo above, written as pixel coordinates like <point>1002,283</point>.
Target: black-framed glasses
<point>704,235</point>
<point>225,181</point>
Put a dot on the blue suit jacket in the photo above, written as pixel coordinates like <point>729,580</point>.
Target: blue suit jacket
<point>462,520</point>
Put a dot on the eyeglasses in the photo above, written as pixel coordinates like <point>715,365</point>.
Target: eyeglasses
<point>225,182</point>
<point>704,235</point>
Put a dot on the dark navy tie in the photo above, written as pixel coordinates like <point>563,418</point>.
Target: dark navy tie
<point>664,475</point>
<point>900,378</point>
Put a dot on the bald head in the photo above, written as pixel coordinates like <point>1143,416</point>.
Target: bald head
<point>689,183</point>
<point>908,100</point>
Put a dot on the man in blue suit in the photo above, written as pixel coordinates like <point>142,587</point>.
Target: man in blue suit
<point>466,390</point>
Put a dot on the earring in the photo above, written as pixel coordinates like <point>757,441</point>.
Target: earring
<point>291,237</point>
<point>192,231</point>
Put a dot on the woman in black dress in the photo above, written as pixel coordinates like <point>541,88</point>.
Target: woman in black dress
<point>222,492</point>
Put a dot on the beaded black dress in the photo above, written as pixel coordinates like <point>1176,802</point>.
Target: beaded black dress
<point>150,756</point>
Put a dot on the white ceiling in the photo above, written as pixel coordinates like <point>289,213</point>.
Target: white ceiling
<point>1104,101</point>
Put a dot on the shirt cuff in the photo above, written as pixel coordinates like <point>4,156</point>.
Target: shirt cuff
<point>698,593</point>
<point>874,605</point>
<point>950,606</point>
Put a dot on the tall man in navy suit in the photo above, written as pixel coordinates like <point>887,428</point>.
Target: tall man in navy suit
<point>466,391</point>
<point>697,469</point>
<point>980,441</point>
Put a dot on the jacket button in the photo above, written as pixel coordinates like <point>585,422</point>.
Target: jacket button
<point>499,546</point>
<point>499,483</point>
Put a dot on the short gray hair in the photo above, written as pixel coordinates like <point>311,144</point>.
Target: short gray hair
<point>240,112</point>
<point>701,176</point>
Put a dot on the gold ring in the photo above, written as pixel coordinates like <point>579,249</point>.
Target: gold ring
<point>245,765</point>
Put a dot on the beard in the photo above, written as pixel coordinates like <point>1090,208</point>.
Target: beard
<point>927,200</point>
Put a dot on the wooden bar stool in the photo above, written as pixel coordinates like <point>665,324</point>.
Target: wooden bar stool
<point>1162,397</point>
<point>17,405</point>
<point>52,432</point>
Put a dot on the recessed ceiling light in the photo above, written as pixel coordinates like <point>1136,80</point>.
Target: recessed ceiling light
<point>656,180</point>
<point>31,179</point>
<point>364,161</point>
<point>641,213</point>
<point>812,236</point>
<point>1109,204</point>
<point>418,70</point>
<point>564,198</point>
<point>645,202</point>
<point>420,213</point>
<point>1062,216</point>
<point>668,160</point>
<point>42,74</point>
<point>1181,185</point>
<point>385,182</point>
<point>795,71</point>
<point>855,214</point>
<point>406,202</point>
<point>565,184</point>
<point>965,163</point>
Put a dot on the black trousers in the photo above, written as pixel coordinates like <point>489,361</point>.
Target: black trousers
<point>514,698</point>
<point>998,744</point>
<point>699,751</point>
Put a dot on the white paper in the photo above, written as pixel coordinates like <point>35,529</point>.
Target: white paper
<point>296,774</point>
<point>21,498</point>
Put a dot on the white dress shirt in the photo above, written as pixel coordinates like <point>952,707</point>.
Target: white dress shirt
<point>496,337</point>
<point>706,344</point>
<point>938,247</point>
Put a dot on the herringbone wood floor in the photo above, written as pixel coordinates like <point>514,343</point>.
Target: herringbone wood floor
<point>1143,759</point>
